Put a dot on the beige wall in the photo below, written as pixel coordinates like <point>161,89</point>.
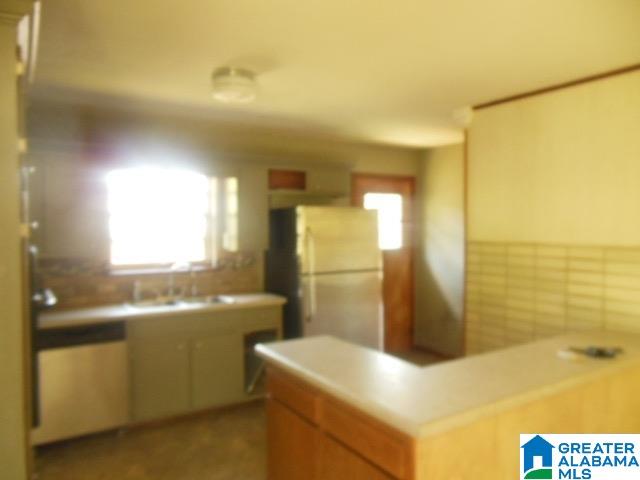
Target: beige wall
<point>554,203</point>
<point>13,455</point>
<point>440,252</point>
<point>73,147</point>
<point>559,167</point>
<point>62,126</point>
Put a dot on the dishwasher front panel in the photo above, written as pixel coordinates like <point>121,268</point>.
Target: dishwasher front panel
<point>83,389</point>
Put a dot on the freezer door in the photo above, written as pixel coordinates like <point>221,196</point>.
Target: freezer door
<point>345,305</point>
<point>334,239</point>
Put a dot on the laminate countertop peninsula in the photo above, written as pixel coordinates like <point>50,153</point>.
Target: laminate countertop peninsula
<point>485,398</point>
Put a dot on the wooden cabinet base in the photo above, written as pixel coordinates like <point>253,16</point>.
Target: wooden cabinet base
<point>292,444</point>
<point>337,461</point>
<point>316,437</point>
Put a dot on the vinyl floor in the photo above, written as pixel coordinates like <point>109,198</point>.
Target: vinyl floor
<point>228,444</point>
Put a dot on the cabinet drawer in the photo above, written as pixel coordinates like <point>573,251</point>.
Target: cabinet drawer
<point>379,444</point>
<point>297,397</point>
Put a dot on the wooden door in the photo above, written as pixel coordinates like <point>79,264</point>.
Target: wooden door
<point>292,444</point>
<point>159,378</point>
<point>386,193</point>
<point>216,363</point>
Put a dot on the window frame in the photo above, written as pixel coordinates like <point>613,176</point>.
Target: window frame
<point>213,238</point>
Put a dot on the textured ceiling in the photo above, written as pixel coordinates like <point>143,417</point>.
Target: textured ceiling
<point>372,70</point>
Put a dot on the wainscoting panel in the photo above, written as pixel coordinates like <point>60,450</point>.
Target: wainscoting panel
<point>518,292</point>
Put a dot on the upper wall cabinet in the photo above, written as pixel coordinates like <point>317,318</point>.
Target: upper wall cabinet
<point>287,180</point>
<point>311,184</point>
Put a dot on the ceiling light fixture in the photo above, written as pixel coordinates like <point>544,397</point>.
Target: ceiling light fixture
<point>233,85</point>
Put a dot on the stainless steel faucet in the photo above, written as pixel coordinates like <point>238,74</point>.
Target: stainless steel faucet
<point>177,266</point>
<point>137,291</point>
<point>194,282</point>
<point>171,283</point>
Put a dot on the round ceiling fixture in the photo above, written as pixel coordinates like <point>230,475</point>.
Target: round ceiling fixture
<point>234,85</point>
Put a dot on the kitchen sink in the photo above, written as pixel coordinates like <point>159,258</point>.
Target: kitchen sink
<point>181,302</point>
<point>207,299</point>
<point>157,302</point>
<point>244,298</point>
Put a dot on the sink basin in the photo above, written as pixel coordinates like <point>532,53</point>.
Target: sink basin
<point>157,302</point>
<point>242,298</point>
<point>207,299</point>
<point>180,302</point>
<point>191,302</point>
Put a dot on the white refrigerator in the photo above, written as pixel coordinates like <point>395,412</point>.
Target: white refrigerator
<point>326,261</point>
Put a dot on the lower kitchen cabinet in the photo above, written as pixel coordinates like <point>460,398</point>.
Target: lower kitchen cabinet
<point>217,370</point>
<point>292,444</point>
<point>336,461</point>
<point>312,436</point>
<point>160,378</point>
<point>298,449</point>
<point>192,361</point>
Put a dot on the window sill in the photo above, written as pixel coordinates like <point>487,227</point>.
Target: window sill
<point>137,271</point>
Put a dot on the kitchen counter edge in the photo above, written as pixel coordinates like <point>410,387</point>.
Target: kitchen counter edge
<point>119,312</point>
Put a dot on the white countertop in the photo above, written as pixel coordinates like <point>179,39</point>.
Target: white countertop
<point>425,400</point>
<point>111,313</point>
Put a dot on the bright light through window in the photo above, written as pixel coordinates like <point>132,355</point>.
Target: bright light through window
<point>230,236</point>
<point>389,207</point>
<point>157,216</point>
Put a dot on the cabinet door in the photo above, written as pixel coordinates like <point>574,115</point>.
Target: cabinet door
<point>160,378</point>
<point>336,462</point>
<point>217,370</point>
<point>292,445</point>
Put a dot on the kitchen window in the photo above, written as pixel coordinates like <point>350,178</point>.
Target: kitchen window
<point>166,216</point>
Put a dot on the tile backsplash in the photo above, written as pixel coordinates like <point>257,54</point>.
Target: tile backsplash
<point>81,282</point>
<point>517,292</point>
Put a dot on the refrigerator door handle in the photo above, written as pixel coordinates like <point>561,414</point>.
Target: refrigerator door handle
<point>311,252</point>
